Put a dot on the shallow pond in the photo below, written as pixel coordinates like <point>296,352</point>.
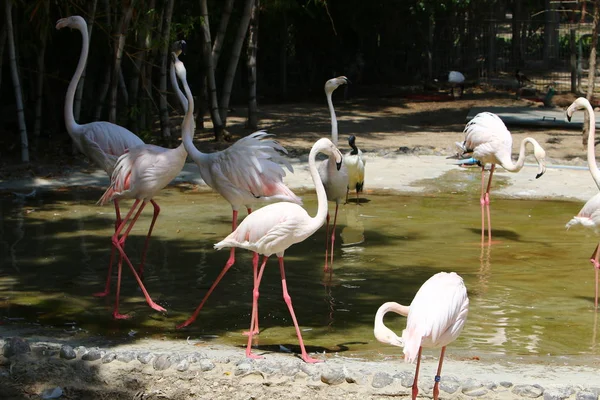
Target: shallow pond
<point>531,292</point>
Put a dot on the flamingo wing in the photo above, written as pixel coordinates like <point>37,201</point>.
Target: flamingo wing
<point>487,135</point>
<point>589,216</point>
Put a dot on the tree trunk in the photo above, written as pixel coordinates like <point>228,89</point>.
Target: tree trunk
<point>16,83</point>
<point>210,73</point>
<point>41,65</point>
<point>592,67</point>
<point>120,46</point>
<point>79,92</point>
<point>252,50</point>
<point>218,45</point>
<point>165,43</point>
<point>103,91</point>
<point>2,43</point>
<point>233,60</point>
<point>283,50</point>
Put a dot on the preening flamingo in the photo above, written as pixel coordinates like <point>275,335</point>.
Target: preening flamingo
<point>589,215</point>
<point>334,179</point>
<point>456,79</point>
<point>274,228</point>
<point>490,142</point>
<point>102,142</point>
<point>248,172</point>
<point>355,163</point>
<point>436,317</point>
<point>140,174</point>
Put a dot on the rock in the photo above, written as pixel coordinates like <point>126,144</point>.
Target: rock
<point>92,355</point>
<point>506,384</point>
<point>183,365</point>
<point>333,376</point>
<point>145,358</point>
<point>473,388</point>
<point>206,365</point>
<point>243,368</point>
<point>586,395</point>
<point>289,368</point>
<point>80,350</point>
<point>67,352</point>
<point>195,357</point>
<point>53,393</point>
<point>407,379</point>
<point>531,391</point>
<point>558,393</point>
<point>449,385</point>
<point>14,346</point>
<point>161,363</point>
<point>126,356</point>
<point>268,368</point>
<point>381,379</point>
<point>109,357</point>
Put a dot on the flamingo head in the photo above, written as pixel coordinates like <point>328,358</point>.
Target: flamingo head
<point>540,155</point>
<point>327,147</point>
<point>334,83</point>
<point>179,47</point>
<point>386,335</point>
<point>579,104</point>
<point>74,21</point>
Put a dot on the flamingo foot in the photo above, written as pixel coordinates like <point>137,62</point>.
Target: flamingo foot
<point>116,315</point>
<point>595,263</point>
<point>254,356</point>
<point>156,307</point>
<point>101,294</point>
<point>186,323</point>
<point>327,268</point>
<point>310,360</point>
<point>255,332</point>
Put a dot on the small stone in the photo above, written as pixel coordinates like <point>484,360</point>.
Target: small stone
<point>381,379</point>
<point>161,363</point>
<point>558,393</point>
<point>449,386</point>
<point>268,368</point>
<point>53,393</point>
<point>67,352</point>
<point>183,365</point>
<point>407,379</point>
<point>92,355</point>
<point>333,376</point>
<point>14,346</point>
<point>243,368</point>
<point>81,350</point>
<point>490,385</point>
<point>126,356</point>
<point>109,357</point>
<point>289,368</point>
<point>145,357</point>
<point>195,357</point>
<point>586,395</point>
<point>531,391</point>
<point>506,384</point>
<point>206,365</point>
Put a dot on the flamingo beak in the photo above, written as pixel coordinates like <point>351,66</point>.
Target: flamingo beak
<point>338,165</point>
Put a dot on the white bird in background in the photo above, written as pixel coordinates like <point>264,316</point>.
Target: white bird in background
<point>456,80</point>
<point>140,174</point>
<point>334,179</point>
<point>487,138</point>
<point>177,48</point>
<point>589,216</point>
<point>355,163</point>
<point>248,172</point>
<point>102,142</point>
<point>274,228</point>
<point>436,317</point>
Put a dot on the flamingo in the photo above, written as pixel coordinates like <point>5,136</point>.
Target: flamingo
<point>456,79</point>
<point>355,163</point>
<point>436,317</point>
<point>334,179</point>
<point>177,48</point>
<point>101,141</point>
<point>490,142</point>
<point>140,174</point>
<point>274,228</point>
<point>248,172</point>
<point>589,216</point>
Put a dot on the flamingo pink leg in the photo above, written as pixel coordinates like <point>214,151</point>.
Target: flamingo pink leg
<point>254,330</point>
<point>596,263</point>
<point>118,242</point>
<point>327,244</point>
<point>436,389</point>
<point>333,235</point>
<point>154,217</point>
<point>415,387</point>
<point>288,301</point>
<point>485,203</point>
<point>254,315</point>
<point>112,254</point>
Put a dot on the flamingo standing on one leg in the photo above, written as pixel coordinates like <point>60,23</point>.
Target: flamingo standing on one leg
<point>140,174</point>
<point>436,317</point>
<point>590,213</point>
<point>102,142</point>
<point>355,163</point>
<point>487,138</point>
<point>248,172</point>
<point>274,228</point>
<point>334,179</point>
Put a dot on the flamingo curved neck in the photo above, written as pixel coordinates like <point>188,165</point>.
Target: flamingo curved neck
<point>591,149</point>
<point>384,309</point>
<point>511,166</point>
<point>187,128</point>
<point>334,128</point>
<point>318,220</point>
<point>70,122</point>
<point>180,96</point>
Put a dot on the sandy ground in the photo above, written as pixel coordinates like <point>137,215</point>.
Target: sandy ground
<point>406,145</point>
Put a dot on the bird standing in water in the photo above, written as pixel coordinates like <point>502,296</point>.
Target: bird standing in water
<point>355,163</point>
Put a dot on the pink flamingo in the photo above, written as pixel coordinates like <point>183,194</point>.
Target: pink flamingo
<point>140,174</point>
<point>102,142</point>
<point>487,138</point>
<point>334,179</point>
<point>248,172</point>
<point>274,228</point>
<point>436,317</point>
<point>589,215</point>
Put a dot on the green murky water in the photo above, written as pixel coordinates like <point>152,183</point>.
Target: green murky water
<point>531,292</point>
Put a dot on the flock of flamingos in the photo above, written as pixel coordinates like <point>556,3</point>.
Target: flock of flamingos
<point>251,171</point>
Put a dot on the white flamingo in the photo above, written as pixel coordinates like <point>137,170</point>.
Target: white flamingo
<point>334,179</point>
<point>589,216</point>
<point>456,79</point>
<point>248,172</point>
<point>274,228</point>
<point>436,317</point>
<point>140,174</point>
<point>177,48</point>
<point>487,138</point>
<point>355,163</point>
